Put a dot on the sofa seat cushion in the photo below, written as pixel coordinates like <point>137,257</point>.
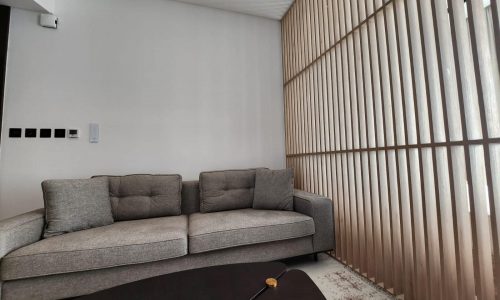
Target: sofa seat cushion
<point>219,230</point>
<point>122,243</point>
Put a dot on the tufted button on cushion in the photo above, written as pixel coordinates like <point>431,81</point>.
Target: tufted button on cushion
<point>145,196</point>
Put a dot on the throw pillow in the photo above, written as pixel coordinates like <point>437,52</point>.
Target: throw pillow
<point>273,189</point>
<point>75,204</point>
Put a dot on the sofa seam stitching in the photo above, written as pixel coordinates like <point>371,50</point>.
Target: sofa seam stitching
<point>93,249</point>
<point>97,268</point>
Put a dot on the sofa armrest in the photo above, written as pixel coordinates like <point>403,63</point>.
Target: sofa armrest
<point>320,209</point>
<point>21,230</point>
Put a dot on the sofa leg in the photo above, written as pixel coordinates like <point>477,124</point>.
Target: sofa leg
<point>315,255</point>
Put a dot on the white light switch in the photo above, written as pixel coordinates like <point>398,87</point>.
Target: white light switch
<point>94,133</point>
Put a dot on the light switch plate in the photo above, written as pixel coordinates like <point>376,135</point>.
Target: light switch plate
<point>73,133</point>
<point>94,133</point>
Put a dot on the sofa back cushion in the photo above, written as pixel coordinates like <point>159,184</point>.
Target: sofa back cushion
<point>190,197</point>
<point>226,190</point>
<point>75,204</point>
<point>145,196</point>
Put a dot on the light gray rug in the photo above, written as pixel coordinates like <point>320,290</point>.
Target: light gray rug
<point>337,281</point>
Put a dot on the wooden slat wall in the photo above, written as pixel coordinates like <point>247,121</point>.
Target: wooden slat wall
<point>392,111</point>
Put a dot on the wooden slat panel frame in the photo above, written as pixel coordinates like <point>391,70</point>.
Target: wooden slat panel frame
<point>388,112</point>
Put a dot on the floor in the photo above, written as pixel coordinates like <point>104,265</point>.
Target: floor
<point>335,280</point>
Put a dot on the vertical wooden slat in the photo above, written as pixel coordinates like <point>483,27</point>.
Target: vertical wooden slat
<point>407,231</point>
<point>298,125</point>
<point>327,21</point>
<point>485,70</point>
<point>284,32</point>
<point>410,130</point>
<point>368,128</point>
<point>287,124</point>
<point>307,21</point>
<point>397,124</point>
<point>321,110</point>
<point>317,28</point>
<point>319,125</point>
<point>322,159</point>
<point>350,100</point>
<point>336,21</point>
<point>315,128</point>
<point>298,29</point>
<point>360,139</point>
<point>422,136</point>
<point>354,13</point>
<point>326,121</point>
<point>376,262</point>
<point>465,68</point>
<point>343,86</point>
<point>340,187</point>
<point>341,146</point>
<point>489,104</point>
<point>296,97</point>
<point>495,165</point>
<point>291,112</point>
<point>293,41</point>
<point>342,18</point>
<point>353,209</point>
<point>436,134</point>
<point>310,127</point>
<point>346,162</point>
<point>321,26</point>
<point>450,263</point>
<point>469,112</point>
<point>331,29</point>
<point>292,117</point>
<point>379,258</point>
<point>431,69</point>
<point>479,215</point>
<point>305,28</point>
<point>464,223</point>
<point>330,90</point>
<point>385,115</point>
<point>379,137</point>
<point>336,147</point>
<point>446,196</point>
<point>449,81</point>
<point>431,215</point>
<point>422,110</point>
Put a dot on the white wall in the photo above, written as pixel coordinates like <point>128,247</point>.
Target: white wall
<point>176,88</point>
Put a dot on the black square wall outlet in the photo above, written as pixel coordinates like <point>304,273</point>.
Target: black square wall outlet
<point>45,133</point>
<point>30,133</point>
<point>60,133</point>
<point>15,132</point>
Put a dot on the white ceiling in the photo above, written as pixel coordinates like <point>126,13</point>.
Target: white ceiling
<point>45,6</point>
<point>273,9</point>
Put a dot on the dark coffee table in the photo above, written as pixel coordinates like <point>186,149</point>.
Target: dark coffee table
<point>231,282</point>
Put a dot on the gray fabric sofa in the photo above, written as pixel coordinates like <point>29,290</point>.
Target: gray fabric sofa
<point>83,262</point>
